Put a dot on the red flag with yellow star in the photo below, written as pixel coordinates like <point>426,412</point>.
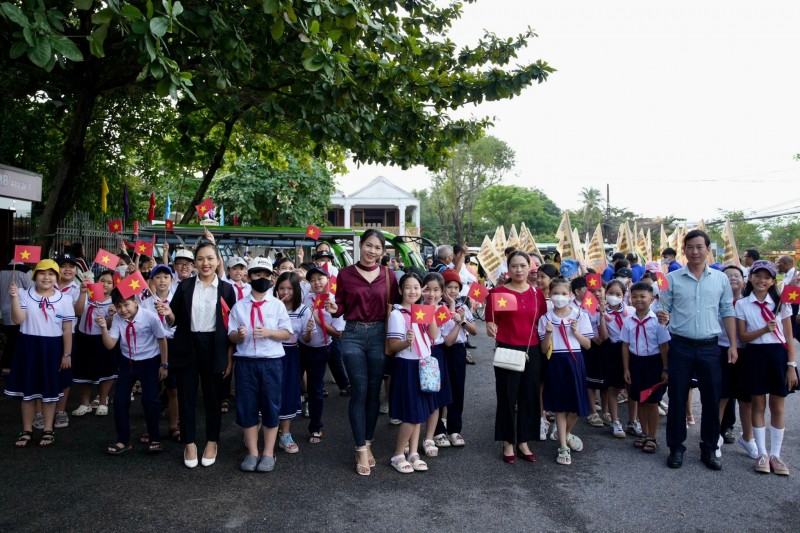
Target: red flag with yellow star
<point>169,225</point>
<point>422,314</point>
<point>143,248</point>
<point>590,303</point>
<point>95,291</point>
<point>226,311</point>
<point>24,253</point>
<point>204,207</point>
<point>118,277</point>
<point>594,281</point>
<point>443,314</point>
<point>313,232</point>
<point>320,299</point>
<point>478,292</point>
<point>503,301</point>
<point>332,284</point>
<point>115,226</point>
<point>663,282</point>
<point>132,285</point>
<point>791,295</point>
<point>106,259</point>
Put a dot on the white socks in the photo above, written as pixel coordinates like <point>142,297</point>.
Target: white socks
<point>775,441</point>
<point>760,435</point>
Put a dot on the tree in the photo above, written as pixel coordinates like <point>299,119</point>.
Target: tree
<point>783,232</point>
<point>374,77</point>
<point>591,212</point>
<point>471,169</point>
<point>504,205</point>
<point>747,234</point>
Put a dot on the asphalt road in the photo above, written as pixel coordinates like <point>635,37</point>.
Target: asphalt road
<point>610,486</point>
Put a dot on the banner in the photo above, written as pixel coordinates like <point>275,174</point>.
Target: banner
<point>513,238</point>
<point>527,243</point>
<point>499,241</point>
<point>490,259</point>
<point>596,253</point>
<point>730,254</point>
<point>566,243</point>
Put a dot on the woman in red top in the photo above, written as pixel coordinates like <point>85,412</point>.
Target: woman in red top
<point>517,417</point>
<point>361,296</point>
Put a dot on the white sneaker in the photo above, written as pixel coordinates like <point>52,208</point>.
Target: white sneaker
<point>395,421</point>
<point>718,451</point>
<point>384,410</point>
<point>661,411</point>
<point>749,447</point>
<point>38,421</point>
<point>543,427</point>
<point>456,439</point>
<point>616,429</point>
<point>61,420</point>
<point>554,431</point>
<point>634,428</point>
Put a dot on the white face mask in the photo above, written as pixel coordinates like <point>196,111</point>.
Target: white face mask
<point>613,301</point>
<point>624,281</point>
<point>559,301</point>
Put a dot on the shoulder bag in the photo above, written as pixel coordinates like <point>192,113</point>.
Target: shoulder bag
<point>511,359</point>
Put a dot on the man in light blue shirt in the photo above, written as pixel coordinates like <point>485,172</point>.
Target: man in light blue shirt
<point>696,296</point>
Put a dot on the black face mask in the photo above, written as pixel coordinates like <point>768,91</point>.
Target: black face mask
<point>260,285</point>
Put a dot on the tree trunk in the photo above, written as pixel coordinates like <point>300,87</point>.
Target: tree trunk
<point>216,163</point>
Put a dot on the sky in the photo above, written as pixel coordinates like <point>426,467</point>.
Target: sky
<point>682,108</point>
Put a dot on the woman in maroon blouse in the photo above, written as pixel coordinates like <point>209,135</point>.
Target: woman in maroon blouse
<point>517,417</point>
<point>361,296</point>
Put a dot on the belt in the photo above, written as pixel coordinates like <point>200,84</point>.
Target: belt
<point>695,342</point>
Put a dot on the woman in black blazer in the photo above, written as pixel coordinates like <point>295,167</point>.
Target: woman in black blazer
<point>202,352</point>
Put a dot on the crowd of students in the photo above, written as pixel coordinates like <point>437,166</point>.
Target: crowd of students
<point>275,327</point>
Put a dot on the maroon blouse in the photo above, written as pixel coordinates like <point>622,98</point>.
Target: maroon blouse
<point>361,301</point>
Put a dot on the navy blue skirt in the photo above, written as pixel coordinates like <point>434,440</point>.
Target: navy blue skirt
<point>408,403</point>
<point>766,368</point>
<point>645,373</point>
<point>92,363</point>
<point>444,397</point>
<point>734,376</point>
<point>35,368</point>
<point>291,385</point>
<point>613,370</point>
<point>593,357</point>
<point>565,384</point>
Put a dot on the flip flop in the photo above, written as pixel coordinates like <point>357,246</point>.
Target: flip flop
<point>118,448</point>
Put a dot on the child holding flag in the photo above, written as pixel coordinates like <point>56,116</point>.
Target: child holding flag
<point>435,433</point>
<point>68,267</point>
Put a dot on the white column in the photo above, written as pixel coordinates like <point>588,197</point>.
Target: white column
<point>416,218</point>
<point>346,214</point>
<point>402,221</point>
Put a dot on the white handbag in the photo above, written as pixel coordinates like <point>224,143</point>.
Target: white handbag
<point>511,359</point>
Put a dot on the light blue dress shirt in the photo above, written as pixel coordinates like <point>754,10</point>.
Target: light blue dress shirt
<point>695,305</point>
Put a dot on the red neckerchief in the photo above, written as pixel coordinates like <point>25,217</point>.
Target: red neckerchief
<point>641,324</point>
<point>617,316</point>
<point>240,292</point>
<point>87,325</point>
<point>43,305</point>
<point>165,302</point>
<point>767,315</point>
<point>562,329</point>
<point>65,289</point>
<point>130,332</point>
<point>256,308</point>
<point>423,332</point>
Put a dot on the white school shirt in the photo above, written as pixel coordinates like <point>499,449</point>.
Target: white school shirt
<point>467,279</point>
<point>150,305</point>
<point>650,337</point>
<point>399,324</point>
<point>747,310</point>
<point>299,318</point>
<point>584,328</point>
<point>273,316</point>
<point>318,337</point>
<point>462,335</point>
<point>245,288</point>
<point>204,306</point>
<point>614,328</point>
<point>92,310</point>
<point>73,291</point>
<point>722,338</point>
<point>58,307</point>
<point>141,343</point>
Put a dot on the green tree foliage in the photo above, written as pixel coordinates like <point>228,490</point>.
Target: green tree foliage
<point>748,234</point>
<point>591,211</point>
<point>783,232</point>
<point>504,205</point>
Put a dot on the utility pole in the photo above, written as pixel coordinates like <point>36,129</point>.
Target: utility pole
<point>607,229</point>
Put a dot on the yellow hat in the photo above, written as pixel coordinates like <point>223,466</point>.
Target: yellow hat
<point>47,264</point>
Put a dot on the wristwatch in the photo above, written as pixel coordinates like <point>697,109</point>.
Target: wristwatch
<point>792,363</point>
<point>165,365</point>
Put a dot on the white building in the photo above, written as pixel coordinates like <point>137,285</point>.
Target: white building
<point>380,204</point>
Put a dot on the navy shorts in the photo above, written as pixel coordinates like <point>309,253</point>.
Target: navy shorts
<point>645,373</point>
<point>258,389</point>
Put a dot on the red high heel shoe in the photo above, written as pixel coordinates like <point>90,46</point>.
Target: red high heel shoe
<point>527,456</point>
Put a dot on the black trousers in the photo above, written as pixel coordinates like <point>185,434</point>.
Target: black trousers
<point>11,333</point>
<point>199,373</point>
<point>517,416</point>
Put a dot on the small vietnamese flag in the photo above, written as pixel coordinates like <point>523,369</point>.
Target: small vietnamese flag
<point>27,254</point>
<point>443,314</point>
<point>132,285</point>
<point>503,301</point>
<point>115,226</point>
<point>590,303</point>
<point>422,314</point>
<point>791,295</point>
<point>226,311</point>
<point>645,394</point>
<point>106,259</point>
<point>136,227</point>
<point>594,281</point>
<point>478,292</point>
<point>169,225</point>
<point>320,299</point>
<point>143,248</point>
<point>663,282</point>
<point>204,207</point>
<point>332,284</point>
<point>118,277</point>
<point>95,291</point>
<point>313,232</point>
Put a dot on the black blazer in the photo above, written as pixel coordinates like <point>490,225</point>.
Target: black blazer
<point>182,354</point>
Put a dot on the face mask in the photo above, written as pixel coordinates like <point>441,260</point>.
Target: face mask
<point>665,261</point>
<point>260,285</point>
<point>559,301</point>
<point>613,301</point>
<point>624,281</point>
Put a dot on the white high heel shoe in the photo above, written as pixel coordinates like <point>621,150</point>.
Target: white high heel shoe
<point>190,463</point>
<point>208,462</point>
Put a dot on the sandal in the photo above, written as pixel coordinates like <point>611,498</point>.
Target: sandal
<point>118,448</point>
<point>224,406</point>
<point>370,458</point>
<point>402,465</point>
<point>417,464</point>
<point>650,445</point>
<point>175,433</point>
<point>154,447</point>
<point>315,438</point>
<point>23,439</point>
<point>563,457</point>
<point>575,443</point>
<point>639,442</point>
<point>430,448</point>
<point>362,470</point>
<point>48,439</point>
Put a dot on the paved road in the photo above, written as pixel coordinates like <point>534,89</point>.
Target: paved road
<point>610,486</point>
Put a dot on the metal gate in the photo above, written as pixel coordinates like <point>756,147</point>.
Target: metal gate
<point>78,227</point>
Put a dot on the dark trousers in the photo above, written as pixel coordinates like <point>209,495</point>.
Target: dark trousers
<point>728,416</point>
<point>313,362</point>
<point>517,417</point>
<point>11,333</point>
<point>457,370</point>
<point>336,366</point>
<point>146,373</point>
<point>199,373</point>
<point>687,360</point>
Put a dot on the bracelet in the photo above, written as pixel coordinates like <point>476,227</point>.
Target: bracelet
<point>67,355</point>
<point>165,365</point>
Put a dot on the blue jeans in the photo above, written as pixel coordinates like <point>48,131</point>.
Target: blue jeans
<point>362,354</point>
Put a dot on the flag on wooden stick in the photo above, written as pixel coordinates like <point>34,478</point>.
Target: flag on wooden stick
<point>513,238</point>
<point>566,243</point>
<point>596,253</point>
<point>499,240</point>
<point>490,259</point>
<point>730,254</point>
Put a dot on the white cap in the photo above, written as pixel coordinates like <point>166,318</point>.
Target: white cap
<point>184,254</point>
<point>234,261</point>
<point>260,263</point>
<point>473,260</point>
